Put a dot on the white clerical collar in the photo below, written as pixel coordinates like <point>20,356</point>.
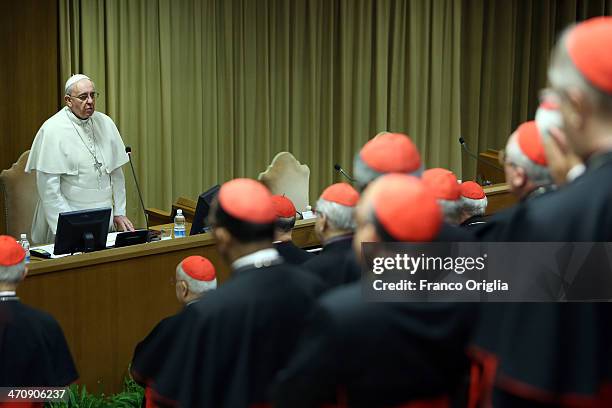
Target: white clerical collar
<point>575,172</point>
<point>263,257</point>
<point>8,293</point>
<point>75,118</point>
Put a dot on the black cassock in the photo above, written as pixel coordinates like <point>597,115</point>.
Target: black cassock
<point>377,354</point>
<point>33,350</point>
<point>580,211</point>
<point>545,353</point>
<point>225,349</point>
<point>553,353</point>
<point>291,253</point>
<point>454,233</point>
<point>330,266</point>
<point>475,220</point>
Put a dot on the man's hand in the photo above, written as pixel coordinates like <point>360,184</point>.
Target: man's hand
<point>122,223</point>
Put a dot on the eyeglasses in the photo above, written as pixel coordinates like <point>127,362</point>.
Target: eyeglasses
<point>85,96</point>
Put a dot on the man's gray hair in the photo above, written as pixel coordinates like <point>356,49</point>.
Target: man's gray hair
<point>12,274</point>
<point>452,210</point>
<point>364,174</point>
<point>563,74</point>
<point>339,216</point>
<point>539,175</point>
<point>473,206</point>
<point>195,286</point>
<point>546,119</point>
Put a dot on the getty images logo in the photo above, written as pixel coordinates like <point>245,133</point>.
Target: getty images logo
<point>422,262</point>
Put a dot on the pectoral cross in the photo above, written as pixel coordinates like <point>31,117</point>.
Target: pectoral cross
<point>98,167</point>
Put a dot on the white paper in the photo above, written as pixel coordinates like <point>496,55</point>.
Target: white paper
<point>308,214</point>
<point>110,241</point>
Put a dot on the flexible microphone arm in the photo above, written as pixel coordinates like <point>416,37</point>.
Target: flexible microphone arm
<point>473,156</point>
<point>340,170</point>
<point>128,150</point>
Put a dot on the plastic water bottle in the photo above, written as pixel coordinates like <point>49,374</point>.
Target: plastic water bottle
<point>179,224</point>
<point>25,244</point>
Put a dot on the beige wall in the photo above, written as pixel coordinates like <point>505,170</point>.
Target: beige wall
<point>28,73</point>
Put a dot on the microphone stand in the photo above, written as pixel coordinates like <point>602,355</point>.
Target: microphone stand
<point>478,159</point>
<point>340,170</point>
<point>151,233</point>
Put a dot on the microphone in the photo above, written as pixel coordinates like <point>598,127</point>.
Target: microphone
<point>473,156</point>
<point>340,170</point>
<point>128,150</point>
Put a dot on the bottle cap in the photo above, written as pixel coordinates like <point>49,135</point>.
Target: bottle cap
<point>24,236</point>
<point>179,212</point>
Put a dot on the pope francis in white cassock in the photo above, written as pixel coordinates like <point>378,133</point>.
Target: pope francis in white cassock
<point>77,155</point>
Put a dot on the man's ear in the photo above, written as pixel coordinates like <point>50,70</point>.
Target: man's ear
<point>370,234</point>
<point>580,108</point>
<point>519,178</point>
<point>324,224</point>
<point>184,289</point>
<point>559,139</point>
<point>223,236</point>
<point>67,100</point>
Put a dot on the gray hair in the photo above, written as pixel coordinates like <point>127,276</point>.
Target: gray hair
<point>12,274</point>
<point>339,216</point>
<point>563,74</point>
<point>474,206</point>
<point>547,119</point>
<point>364,174</point>
<point>195,286</point>
<point>539,175</point>
<point>452,210</point>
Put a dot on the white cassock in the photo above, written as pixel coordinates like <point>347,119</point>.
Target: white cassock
<point>78,166</point>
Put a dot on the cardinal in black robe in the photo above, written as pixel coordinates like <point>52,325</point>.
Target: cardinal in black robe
<point>370,354</point>
<point>225,349</point>
<point>542,355</point>
<point>291,253</point>
<point>33,350</point>
<point>473,204</point>
<point>334,227</point>
<point>286,215</point>
<point>329,264</point>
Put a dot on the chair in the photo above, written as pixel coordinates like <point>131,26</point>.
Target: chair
<point>18,196</point>
<point>158,217</point>
<point>285,175</point>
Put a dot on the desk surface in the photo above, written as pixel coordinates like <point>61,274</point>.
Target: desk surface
<point>499,197</point>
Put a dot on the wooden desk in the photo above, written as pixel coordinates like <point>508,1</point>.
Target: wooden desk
<point>499,198</point>
<point>108,301</point>
<point>489,169</point>
<point>157,216</point>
